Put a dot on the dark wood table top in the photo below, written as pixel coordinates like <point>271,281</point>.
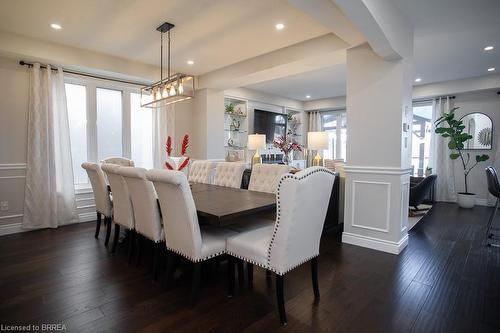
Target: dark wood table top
<point>220,205</point>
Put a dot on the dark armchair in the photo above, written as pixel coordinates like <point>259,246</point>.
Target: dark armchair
<point>419,191</point>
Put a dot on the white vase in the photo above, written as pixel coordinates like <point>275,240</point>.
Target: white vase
<point>466,200</point>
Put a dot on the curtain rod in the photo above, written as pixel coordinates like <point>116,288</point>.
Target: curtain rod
<point>101,77</point>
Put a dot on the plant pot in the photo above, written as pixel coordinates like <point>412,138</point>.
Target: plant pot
<point>466,200</point>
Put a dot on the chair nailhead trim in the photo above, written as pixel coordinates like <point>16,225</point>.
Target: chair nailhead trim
<point>278,218</point>
<point>195,260</point>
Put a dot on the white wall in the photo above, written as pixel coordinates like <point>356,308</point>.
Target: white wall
<point>487,102</point>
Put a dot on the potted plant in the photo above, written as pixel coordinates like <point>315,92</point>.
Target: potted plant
<point>286,145</point>
<point>230,108</point>
<point>449,127</point>
<point>428,171</point>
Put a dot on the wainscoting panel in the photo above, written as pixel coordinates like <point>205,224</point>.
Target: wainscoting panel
<point>371,194</point>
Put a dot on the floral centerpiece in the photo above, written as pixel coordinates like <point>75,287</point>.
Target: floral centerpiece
<point>286,145</point>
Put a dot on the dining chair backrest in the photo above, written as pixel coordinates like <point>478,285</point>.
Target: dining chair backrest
<point>302,203</point>
<point>229,174</point>
<point>265,177</point>
<point>493,183</point>
<point>180,220</point>
<point>146,211</point>
<point>122,161</point>
<point>123,213</point>
<point>201,172</point>
<point>99,188</point>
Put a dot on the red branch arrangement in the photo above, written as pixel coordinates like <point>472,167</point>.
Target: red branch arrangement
<point>169,146</point>
<point>286,145</point>
<point>185,145</point>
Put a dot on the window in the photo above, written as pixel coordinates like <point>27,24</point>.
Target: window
<point>109,123</point>
<point>334,123</point>
<point>141,132</point>
<point>421,138</point>
<point>76,99</point>
<point>106,119</point>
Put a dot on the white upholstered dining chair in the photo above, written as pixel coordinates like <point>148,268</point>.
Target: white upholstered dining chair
<point>102,200</point>
<point>302,203</point>
<point>118,160</point>
<point>265,177</point>
<point>201,172</point>
<point>123,213</point>
<point>183,234</point>
<point>229,174</point>
<point>147,215</point>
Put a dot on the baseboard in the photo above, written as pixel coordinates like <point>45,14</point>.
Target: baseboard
<point>375,243</point>
<point>14,228</point>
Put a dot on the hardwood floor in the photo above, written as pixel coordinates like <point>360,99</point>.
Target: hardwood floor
<point>446,280</point>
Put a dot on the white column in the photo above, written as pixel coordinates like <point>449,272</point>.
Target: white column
<point>378,148</point>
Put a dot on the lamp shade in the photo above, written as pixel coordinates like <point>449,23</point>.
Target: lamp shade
<point>317,140</point>
<point>256,141</point>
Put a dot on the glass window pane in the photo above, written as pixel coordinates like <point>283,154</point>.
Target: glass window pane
<point>76,99</point>
<point>421,139</point>
<point>109,123</point>
<point>141,133</point>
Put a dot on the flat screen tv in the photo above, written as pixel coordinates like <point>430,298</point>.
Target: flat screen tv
<point>271,124</point>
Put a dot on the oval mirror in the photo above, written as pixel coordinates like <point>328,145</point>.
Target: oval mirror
<point>480,127</point>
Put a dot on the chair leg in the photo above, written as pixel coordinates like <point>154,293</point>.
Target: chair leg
<point>131,242</point>
<point>108,230</point>
<point>241,277</point>
<point>314,276</point>
<point>98,225</point>
<point>156,259</point>
<point>140,243</point>
<point>490,221</point>
<point>230,277</point>
<point>115,239</point>
<point>268,273</point>
<point>280,298</point>
<point>196,282</point>
<point>250,274</point>
<point>170,268</point>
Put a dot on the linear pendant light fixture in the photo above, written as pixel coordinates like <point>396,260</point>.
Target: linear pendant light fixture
<point>171,89</point>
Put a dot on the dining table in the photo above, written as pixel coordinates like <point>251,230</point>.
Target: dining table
<point>220,205</point>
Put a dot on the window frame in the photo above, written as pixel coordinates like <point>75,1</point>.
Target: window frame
<point>337,128</point>
<point>91,85</point>
<point>422,103</point>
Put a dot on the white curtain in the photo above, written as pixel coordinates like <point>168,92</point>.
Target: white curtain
<point>443,165</point>
<point>163,126</point>
<point>49,199</point>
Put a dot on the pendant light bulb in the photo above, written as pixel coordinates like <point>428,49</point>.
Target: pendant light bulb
<point>172,90</point>
<point>158,94</point>
<point>180,89</point>
<point>153,93</point>
<point>164,93</point>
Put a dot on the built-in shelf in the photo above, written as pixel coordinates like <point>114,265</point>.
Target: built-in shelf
<point>235,147</point>
<point>236,131</point>
<point>236,115</point>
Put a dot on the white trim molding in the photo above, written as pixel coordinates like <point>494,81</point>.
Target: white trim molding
<point>376,170</point>
<point>388,205</point>
<point>13,166</point>
<point>12,228</point>
<point>375,243</point>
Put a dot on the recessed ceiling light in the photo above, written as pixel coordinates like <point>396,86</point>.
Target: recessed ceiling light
<point>489,48</point>
<point>491,69</point>
<point>280,26</point>
<point>56,26</point>
<point>418,79</point>
<point>190,62</point>
<point>308,96</point>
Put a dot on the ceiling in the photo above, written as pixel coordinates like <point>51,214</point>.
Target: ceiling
<point>323,83</point>
<point>212,33</point>
<point>450,36</point>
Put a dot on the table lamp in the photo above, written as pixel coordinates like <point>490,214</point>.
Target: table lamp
<point>317,141</point>
<point>256,142</point>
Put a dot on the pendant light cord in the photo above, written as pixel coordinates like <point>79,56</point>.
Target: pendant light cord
<point>161,57</point>
<point>168,64</point>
